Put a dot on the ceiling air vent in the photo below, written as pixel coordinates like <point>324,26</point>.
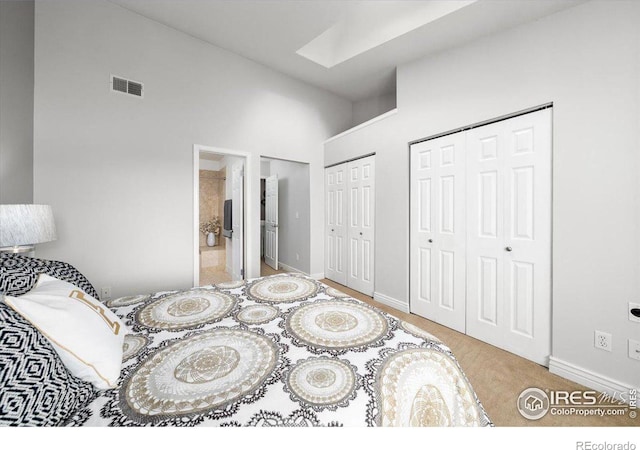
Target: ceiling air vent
<point>119,84</point>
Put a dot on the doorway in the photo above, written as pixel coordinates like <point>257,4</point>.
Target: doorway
<point>212,243</point>
<point>219,217</point>
<point>285,225</point>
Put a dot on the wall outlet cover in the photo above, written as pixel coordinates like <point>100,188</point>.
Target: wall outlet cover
<point>602,340</point>
<point>634,349</point>
<point>105,293</point>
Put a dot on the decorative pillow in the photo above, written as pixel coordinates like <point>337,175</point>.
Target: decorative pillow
<point>35,387</point>
<point>85,333</point>
<point>18,274</point>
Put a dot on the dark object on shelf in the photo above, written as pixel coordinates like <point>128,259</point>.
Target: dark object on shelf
<point>227,227</point>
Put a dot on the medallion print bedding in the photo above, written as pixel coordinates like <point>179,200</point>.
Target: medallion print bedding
<point>283,350</point>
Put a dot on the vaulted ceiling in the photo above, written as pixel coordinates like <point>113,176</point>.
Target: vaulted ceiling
<point>351,48</point>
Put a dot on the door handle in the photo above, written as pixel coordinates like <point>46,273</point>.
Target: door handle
<point>333,229</point>
<point>361,233</point>
<point>508,249</point>
<point>430,240</point>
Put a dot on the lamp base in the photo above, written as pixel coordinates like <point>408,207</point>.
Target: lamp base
<point>17,249</point>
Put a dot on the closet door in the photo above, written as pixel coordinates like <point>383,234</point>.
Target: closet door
<point>437,253</point>
<point>509,234</point>
<point>335,223</point>
<point>360,221</point>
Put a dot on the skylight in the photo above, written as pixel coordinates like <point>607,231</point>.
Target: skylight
<point>368,24</point>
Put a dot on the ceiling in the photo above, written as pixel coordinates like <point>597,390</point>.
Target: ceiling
<point>350,48</point>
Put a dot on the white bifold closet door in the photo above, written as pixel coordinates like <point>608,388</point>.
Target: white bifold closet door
<point>350,189</point>
<point>481,233</point>
<point>438,230</point>
<point>509,235</point>
<point>336,224</point>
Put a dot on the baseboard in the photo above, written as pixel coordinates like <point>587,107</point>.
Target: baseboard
<point>390,301</point>
<point>288,268</point>
<point>588,378</point>
<point>317,276</point>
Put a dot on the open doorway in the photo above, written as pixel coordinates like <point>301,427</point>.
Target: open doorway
<point>212,243</point>
<point>219,217</point>
<point>284,217</point>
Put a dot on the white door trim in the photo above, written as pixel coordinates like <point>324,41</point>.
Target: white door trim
<point>251,247</point>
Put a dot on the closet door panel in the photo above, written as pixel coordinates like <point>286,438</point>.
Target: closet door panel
<point>509,234</point>
<point>437,277</point>
<point>527,288</point>
<point>335,227</point>
<point>422,214</point>
<point>485,233</point>
<point>361,185</point>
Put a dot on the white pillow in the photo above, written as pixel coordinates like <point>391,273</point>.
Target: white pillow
<point>85,333</point>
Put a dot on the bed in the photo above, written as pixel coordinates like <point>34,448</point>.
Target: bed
<point>283,350</point>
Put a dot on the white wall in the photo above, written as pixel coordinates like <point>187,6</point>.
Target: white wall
<point>265,168</point>
<point>372,107</point>
<point>293,199</point>
<point>118,170</point>
<point>16,101</point>
<point>586,61</point>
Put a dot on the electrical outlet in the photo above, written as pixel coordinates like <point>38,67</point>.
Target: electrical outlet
<point>634,349</point>
<point>105,293</point>
<point>602,340</point>
<point>631,316</point>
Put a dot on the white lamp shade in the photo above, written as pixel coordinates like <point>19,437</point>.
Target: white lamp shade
<point>26,225</point>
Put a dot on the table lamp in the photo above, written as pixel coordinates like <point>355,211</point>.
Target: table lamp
<point>24,226</point>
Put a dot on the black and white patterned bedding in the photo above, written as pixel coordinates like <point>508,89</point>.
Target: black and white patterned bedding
<point>283,350</point>
<point>18,274</point>
<point>36,389</point>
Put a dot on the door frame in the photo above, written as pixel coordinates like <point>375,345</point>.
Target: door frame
<point>248,186</point>
<point>281,265</point>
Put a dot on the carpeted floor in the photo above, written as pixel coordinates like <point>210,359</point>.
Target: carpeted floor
<point>499,377</point>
